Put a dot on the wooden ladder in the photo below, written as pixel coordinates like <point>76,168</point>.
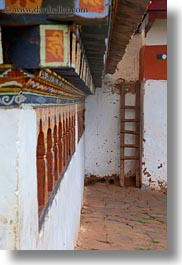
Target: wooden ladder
<point>135,121</point>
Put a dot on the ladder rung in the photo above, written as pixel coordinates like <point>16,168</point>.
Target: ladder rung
<point>130,132</point>
<point>130,120</point>
<point>129,107</point>
<point>129,145</point>
<point>129,158</point>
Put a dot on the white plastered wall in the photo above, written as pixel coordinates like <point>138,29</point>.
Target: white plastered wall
<point>154,161</point>
<point>103,117</point>
<point>157,35</point>
<point>17,151</point>
<point>102,133</point>
<point>18,189</point>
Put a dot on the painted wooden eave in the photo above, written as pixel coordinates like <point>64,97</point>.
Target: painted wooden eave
<point>37,19</point>
<point>48,11</point>
<point>128,15</point>
<point>94,30</point>
<point>86,12</point>
<point>93,38</point>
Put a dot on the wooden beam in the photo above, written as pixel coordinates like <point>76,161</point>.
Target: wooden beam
<point>128,16</point>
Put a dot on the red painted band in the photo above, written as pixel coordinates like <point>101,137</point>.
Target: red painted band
<point>150,66</point>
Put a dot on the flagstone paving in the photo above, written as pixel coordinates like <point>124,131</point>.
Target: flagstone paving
<point>115,218</point>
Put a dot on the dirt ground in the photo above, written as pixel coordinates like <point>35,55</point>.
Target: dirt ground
<point>115,218</point>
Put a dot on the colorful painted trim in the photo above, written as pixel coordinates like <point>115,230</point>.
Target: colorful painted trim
<point>44,88</point>
<point>16,100</point>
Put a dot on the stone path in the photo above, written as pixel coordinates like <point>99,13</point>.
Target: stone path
<point>115,218</point>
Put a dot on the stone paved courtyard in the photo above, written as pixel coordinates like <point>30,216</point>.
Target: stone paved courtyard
<point>115,218</point>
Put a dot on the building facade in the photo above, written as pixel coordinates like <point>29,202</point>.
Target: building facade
<point>83,91</point>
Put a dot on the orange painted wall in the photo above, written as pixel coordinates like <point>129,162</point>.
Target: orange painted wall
<point>151,67</point>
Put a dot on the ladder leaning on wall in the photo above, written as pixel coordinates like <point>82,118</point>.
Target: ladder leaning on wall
<point>135,121</point>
